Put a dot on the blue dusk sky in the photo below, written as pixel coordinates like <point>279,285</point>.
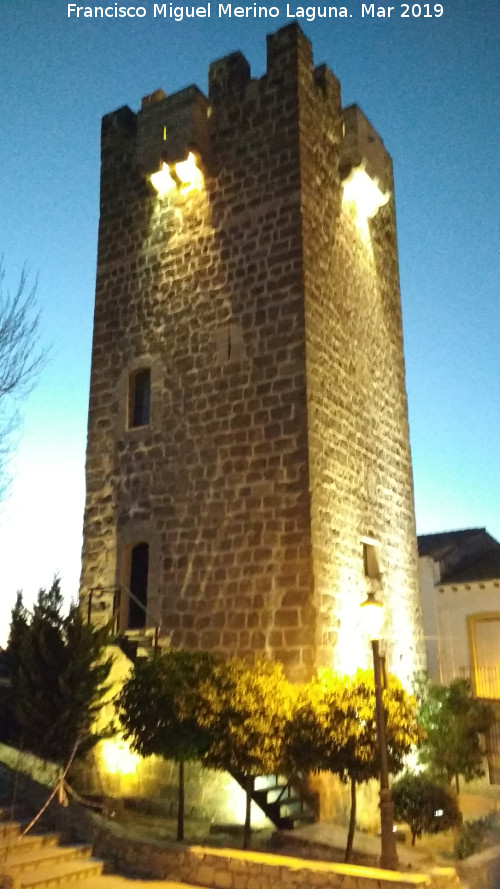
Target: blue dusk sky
<point>429,83</point>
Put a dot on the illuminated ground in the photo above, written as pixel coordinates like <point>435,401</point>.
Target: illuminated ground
<point>323,841</point>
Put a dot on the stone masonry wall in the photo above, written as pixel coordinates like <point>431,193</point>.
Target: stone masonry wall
<point>359,454</point>
<point>278,434</point>
<point>232,869</point>
<point>213,867</point>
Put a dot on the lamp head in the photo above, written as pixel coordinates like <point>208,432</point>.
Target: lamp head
<point>372,616</point>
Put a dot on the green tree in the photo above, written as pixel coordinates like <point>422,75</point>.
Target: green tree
<point>245,707</point>
<point>158,709</point>
<point>402,730</point>
<point>333,728</point>
<point>424,805</point>
<point>453,721</point>
<point>325,734</point>
<point>10,668</point>
<point>58,677</point>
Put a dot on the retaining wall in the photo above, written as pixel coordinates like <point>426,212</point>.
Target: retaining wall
<point>233,869</point>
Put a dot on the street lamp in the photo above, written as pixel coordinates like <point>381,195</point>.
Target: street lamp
<point>372,617</point>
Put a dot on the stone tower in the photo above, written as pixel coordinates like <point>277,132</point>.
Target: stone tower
<point>248,464</point>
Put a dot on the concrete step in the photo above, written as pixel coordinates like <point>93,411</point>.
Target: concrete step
<point>10,845</point>
<point>291,822</point>
<point>291,807</point>
<point>279,793</point>
<point>269,782</point>
<point>9,830</point>
<point>22,860</point>
<point>59,874</point>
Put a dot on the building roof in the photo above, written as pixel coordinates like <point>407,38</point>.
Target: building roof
<point>485,567</point>
<point>464,556</point>
<point>437,545</point>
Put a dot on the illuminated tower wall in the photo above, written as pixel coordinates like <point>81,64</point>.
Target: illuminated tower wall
<point>248,463</point>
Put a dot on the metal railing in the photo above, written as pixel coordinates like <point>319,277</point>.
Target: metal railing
<point>485,680</point>
<point>105,607</point>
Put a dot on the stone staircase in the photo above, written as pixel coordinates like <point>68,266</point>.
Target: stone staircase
<point>142,643</point>
<point>280,799</point>
<point>108,607</point>
<point>37,861</point>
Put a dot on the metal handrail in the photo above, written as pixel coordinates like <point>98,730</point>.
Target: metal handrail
<point>121,588</point>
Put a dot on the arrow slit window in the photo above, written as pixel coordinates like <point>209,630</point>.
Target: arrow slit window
<point>139,398</point>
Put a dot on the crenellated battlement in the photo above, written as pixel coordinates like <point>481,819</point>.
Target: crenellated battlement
<point>228,78</point>
<point>168,126</point>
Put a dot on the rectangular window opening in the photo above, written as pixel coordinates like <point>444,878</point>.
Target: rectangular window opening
<point>138,586</point>
<point>139,408</point>
<point>371,560</point>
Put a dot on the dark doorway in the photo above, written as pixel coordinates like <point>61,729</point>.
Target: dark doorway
<point>139,566</point>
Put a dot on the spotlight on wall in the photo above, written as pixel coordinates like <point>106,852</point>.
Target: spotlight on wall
<point>364,192</point>
<point>162,181</point>
<point>185,174</point>
<point>118,758</point>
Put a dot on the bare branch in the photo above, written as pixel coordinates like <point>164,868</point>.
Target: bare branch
<point>21,355</point>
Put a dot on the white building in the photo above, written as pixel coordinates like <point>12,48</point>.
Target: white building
<point>460,593</point>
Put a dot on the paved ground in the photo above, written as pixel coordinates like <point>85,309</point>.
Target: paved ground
<point>365,844</point>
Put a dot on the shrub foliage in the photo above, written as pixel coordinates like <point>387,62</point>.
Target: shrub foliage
<point>425,806</point>
<point>58,678</point>
<point>453,721</point>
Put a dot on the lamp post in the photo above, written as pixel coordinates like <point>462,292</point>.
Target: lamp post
<point>373,614</point>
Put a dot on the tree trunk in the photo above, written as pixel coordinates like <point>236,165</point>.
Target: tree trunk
<point>457,784</point>
<point>247,831</point>
<point>413,838</point>
<point>352,822</point>
<point>180,806</point>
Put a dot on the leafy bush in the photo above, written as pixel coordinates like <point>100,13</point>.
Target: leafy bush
<point>453,722</point>
<point>475,835</point>
<point>425,806</point>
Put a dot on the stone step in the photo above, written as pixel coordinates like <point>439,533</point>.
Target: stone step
<point>9,830</point>
<point>269,782</point>
<point>290,822</point>
<point>59,874</point>
<point>280,793</point>
<point>30,841</point>
<point>22,860</point>
<point>292,807</point>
